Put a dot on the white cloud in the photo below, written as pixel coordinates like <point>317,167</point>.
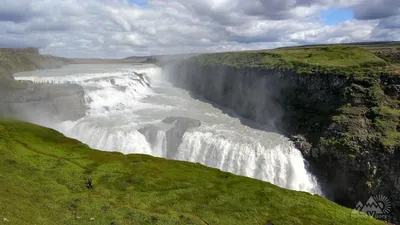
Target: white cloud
<point>116,28</point>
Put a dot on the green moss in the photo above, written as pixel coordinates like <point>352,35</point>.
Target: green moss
<point>376,95</point>
<point>352,156</point>
<point>44,176</point>
<point>386,121</point>
<point>387,112</point>
<point>391,139</point>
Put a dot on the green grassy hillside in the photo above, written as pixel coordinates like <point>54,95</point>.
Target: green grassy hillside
<point>339,60</point>
<point>43,177</point>
<point>382,45</point>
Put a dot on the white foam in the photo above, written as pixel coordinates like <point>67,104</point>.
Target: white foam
<point>114,99</point>
<point>281,164</point>
<point>160,146</point>
<point>105,137</point>
<point>110,91</point>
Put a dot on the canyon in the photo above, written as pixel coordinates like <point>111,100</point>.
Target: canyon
<point>343,119</point>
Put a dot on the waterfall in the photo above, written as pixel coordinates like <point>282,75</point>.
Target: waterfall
<point>122,101</point>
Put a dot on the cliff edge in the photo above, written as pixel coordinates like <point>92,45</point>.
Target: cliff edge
<point>340,105</point>
<point>13,60</point>
<point>25,100</point>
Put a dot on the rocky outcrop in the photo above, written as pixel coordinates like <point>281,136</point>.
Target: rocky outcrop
<point>51,102</point>
<point>345,126</point>
<point>33,102</point>
<point>174,135</point>
<point>13,60</point>
<point>174,128</point>
<point>264,96</point>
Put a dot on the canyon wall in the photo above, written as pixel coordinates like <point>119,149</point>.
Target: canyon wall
<point>25,100</point>
<point>13,60</point>
<point>43,102</point>
<point>345,126</point>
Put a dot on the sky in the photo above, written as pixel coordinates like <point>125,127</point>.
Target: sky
<point>121,28</point>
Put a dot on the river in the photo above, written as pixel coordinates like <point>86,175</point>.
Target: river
<point>123,100</point>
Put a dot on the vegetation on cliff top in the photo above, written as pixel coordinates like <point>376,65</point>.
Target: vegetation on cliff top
<point>339,60</point>
<point>353,125</point>
<point>360,64</point>
<point>44,182</point>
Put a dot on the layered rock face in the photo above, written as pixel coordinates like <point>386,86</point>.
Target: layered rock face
<point>25,59</point>
<point>28,101</point>
<point>340,119</point>
<point>48,102</point>
<point>174,128</point>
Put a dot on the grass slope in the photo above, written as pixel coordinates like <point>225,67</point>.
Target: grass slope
<point>43,176</point>
<point>339,60</point>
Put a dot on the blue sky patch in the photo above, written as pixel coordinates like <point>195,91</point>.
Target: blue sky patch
<point>334,16</point>
<point>141,3</point>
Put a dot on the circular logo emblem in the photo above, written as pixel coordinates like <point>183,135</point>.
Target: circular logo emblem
<point>383,203</point>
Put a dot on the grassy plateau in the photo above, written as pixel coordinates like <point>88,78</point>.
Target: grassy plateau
<point>43,178</point>
<point>337,60</point>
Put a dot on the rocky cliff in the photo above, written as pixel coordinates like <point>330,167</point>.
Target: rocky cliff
<point>13,60</point>
<point>26,100</point>
<point>43,102</point>
<point>344,119</point>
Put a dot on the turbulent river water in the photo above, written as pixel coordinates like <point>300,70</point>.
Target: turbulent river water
<point>125,98</point>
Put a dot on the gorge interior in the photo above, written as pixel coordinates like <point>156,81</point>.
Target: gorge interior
<point>132,108</point>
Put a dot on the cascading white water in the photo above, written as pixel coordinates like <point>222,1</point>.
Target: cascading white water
<point>280,164</point>
<point>160,146</point>
<point>122,99</point>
